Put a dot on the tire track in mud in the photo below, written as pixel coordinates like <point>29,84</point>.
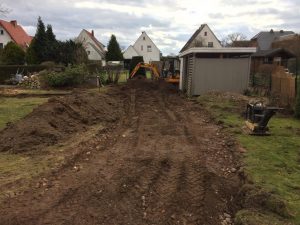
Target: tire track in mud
<point>154,173</point>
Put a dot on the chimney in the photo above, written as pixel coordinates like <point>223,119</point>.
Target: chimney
<point>93,33</point>
<point>14,23</point>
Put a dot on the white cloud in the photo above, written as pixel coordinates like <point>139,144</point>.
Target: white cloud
<point>169,23</point>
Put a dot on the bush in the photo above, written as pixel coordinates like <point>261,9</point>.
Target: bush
<point>72,76</point>
<point>13,54</point>
<point>135,60</point>
<point>94,67</point>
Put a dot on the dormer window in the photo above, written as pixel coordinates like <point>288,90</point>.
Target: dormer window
<point>205,33</point>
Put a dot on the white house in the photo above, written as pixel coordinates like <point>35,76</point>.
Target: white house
<point>145,47</point>
<point>203,37</point>
<point>94,48</point>
<point>12,31</point>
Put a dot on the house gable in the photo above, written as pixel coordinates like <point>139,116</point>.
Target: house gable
<point>11,31</point>
<point>93,47</point>
<point>203,37</point>
<point>145,47</point>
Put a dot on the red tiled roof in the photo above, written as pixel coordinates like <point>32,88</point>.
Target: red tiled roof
<point>98,43</point>
<point>17,33</point>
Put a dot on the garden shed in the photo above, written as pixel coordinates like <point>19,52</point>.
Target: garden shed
<point>215,69</point>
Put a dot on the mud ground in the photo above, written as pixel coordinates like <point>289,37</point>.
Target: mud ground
<point>161,161</point>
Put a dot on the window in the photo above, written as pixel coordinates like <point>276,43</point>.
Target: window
<point>205,33</point>
<point>149,48</point>
<point>142,47</point>
<point>1,32</point>
<point>210,44</point>
<point>88,52</point>
<point>1,45</point>
<point>144,38</point>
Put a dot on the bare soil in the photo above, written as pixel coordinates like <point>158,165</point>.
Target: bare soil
<point>161,160</point>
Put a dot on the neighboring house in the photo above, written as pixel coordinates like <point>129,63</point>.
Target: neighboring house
<point>263,40</point>
<point>266,54</point>
<point>94,48</point>
<point>11,31</point>
<point>145,47</point>
<point>210,67</point>
<point>203,37</point>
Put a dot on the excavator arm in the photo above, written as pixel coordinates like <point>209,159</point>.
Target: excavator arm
<point>152,67</point>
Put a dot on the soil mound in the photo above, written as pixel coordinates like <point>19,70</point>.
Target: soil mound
<point>59,118</point>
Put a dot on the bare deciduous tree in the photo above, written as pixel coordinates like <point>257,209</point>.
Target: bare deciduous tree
<point>3,10</point>
<point>230,38</point>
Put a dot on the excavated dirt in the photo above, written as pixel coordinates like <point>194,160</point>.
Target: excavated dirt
<point>165,162</point>
<point>58,119</point>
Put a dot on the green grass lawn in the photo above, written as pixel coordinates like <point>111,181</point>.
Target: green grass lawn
<point>272,162</point>
<point>13,109</point>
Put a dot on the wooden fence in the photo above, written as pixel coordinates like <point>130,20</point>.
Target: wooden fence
<point>283,87</point>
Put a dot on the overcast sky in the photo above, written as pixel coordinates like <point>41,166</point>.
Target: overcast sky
<point>169,23</point>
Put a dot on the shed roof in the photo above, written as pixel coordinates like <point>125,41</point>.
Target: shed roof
<point>218,50</point>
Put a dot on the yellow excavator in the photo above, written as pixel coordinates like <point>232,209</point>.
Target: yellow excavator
<point>150,66</point>
<point>174,79</point>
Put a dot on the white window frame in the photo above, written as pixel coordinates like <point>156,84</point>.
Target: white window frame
<point>149,48</point>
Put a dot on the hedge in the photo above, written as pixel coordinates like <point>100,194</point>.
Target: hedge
<point>7,71</point>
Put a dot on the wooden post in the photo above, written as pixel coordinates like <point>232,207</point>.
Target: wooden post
<point>98,82</point>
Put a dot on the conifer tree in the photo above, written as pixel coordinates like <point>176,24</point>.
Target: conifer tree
<point>51,45</point>
<point>114,52</point>
<point>38,48</point>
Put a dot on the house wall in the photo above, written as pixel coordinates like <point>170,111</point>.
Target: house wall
<point>5,37</point>
<point>89,46</point>
<point>129,53</point>
<point>220,75</point>
<point>205,39</point>
<point>141,48</point>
